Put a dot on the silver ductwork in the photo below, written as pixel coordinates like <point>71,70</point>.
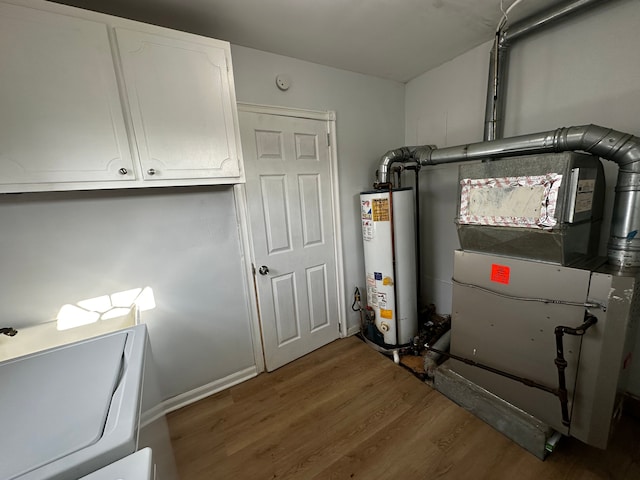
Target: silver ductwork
<point>401,155</point>
<point>499,59</point>
<point>622,148</point>
<point>494,106</point>
<point>619,147</point>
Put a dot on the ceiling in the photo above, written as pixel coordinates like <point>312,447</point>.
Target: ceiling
<point>393,39</point>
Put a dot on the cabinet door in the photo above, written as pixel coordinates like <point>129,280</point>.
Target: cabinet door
<point>181,106</point>
<point>61,116</point>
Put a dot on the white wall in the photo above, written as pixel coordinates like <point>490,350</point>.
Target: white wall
<point>585,70</point>
<point>369,121</point>
<point>444,107</point>
<point>58,248</point>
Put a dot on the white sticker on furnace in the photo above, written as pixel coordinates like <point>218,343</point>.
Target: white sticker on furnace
<point>584,196</point>
<point>371,279</point>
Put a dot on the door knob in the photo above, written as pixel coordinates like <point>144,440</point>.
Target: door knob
<point>263,270</point>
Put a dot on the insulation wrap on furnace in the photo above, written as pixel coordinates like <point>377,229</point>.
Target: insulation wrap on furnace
<point>525,201</point>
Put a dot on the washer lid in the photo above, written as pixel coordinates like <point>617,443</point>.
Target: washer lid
<point>55,402</point>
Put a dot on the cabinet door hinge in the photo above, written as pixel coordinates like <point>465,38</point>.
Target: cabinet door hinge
<point>253,269</point>
<point>328,139</point>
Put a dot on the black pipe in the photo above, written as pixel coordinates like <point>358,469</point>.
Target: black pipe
<point>561,363</point>
<point>393,264</point>
<point>526,381</point>
<point>416,169</point>
<point>418,258</point>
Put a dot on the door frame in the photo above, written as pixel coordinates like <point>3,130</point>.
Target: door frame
<point>329,117</point>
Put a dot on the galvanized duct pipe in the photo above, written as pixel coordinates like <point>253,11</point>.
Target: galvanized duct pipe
<point>402,154</point>
<point>619,147</point>
<point>499,59</point>
<point>494,107</point>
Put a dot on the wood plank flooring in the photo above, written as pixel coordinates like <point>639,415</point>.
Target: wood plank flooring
<point>347,412</point>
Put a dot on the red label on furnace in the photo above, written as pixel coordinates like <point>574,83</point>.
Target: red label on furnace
<point>500,273</point>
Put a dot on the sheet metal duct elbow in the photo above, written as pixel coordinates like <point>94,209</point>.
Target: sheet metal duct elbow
<point>619,147</point>
<point>623,249</point>
<point>402,154</point>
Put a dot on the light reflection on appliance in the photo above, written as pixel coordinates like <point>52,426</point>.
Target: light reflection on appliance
<point>105,307</point>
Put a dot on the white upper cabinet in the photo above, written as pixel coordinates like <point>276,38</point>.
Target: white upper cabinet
<point>61,118</point>
<point>91,101</point>
<point>180,101</point>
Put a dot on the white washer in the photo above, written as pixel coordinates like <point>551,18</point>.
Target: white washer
<point>74,409</point>
<point>137,466</point>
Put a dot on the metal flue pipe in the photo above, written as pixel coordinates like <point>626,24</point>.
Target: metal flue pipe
<point>402,154</point>
<point>499,59</point>
<point>547,17</point>
<point>494,106</point>
<point>619,147</point>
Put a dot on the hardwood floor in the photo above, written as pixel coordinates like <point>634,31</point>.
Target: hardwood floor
<point>347,412</point>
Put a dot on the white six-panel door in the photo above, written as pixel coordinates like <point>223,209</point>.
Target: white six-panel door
<point>287,163</point>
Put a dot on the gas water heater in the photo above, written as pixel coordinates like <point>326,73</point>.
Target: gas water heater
<point>388,232</point>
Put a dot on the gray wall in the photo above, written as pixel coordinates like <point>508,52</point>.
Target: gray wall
<point>582,71</point>
<point>369,121</point>
<point>58,248</point>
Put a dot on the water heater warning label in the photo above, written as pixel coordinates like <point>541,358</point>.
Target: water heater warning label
<point>368,230</point>
<point>500,273</point>
<point>365,209</point>
<point>381,210</point>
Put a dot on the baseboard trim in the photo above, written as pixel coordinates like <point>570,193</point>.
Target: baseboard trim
<point>353,330</point>
<point>192,396</point>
